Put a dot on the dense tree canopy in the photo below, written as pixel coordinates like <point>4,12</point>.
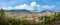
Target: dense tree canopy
<point>3,17</point>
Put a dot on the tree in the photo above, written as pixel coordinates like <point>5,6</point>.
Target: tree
<point>16,21</point>
<point>23,21</point>
<point>58,16</point>
<point>3,17</point>
<point>52,16</point>
<point>40,18</point>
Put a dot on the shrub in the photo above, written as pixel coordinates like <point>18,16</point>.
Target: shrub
<point>23,21</point>
<point>58,16</point>
<point>40,18</point>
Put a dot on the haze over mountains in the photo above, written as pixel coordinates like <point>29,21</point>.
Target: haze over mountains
<point>24,10</point>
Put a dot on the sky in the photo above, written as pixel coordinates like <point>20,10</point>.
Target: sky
<point>30,4</point>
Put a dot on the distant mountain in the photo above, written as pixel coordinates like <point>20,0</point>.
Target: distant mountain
<point>28,11</point>
<point>46,10</point>
<point>18,10</point>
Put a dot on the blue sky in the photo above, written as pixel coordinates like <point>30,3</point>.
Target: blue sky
<point>30,4</point>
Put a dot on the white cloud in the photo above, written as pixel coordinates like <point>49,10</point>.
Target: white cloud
<point>21,6</point>
<point>31,7</point>
<point>24,6</point>
<point>33,4</point>
<point>7,8</point>
<point>47,6</point>
<point>27,7</point>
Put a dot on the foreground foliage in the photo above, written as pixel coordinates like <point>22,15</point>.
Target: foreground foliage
<point>4,20</point>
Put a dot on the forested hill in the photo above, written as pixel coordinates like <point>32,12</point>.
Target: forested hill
<point>22,10</point>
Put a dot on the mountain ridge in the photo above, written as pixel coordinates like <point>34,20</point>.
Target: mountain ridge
<point>24,10</point>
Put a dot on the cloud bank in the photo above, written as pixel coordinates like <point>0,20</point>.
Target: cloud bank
<point>32,6</point>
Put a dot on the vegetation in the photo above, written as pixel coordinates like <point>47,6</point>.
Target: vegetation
<point>58,16</point>
<point>23,21</point>
<point>3,18</point>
